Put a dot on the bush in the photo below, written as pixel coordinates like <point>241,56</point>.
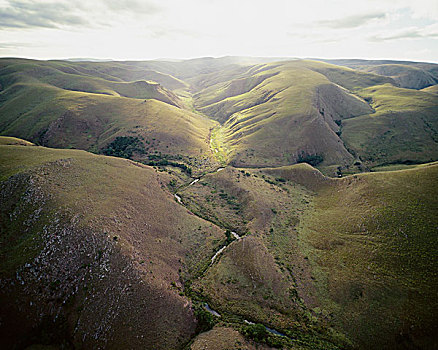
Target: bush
<point>158,160</point>
<point>230,237</point>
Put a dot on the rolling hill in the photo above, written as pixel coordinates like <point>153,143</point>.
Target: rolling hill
<point>271,113</point>
<point>411,75</point>
<point>282,113</point>
<point>212,203</point>
<point>54,104</point>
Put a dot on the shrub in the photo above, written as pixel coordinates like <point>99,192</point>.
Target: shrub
<point>230,237</point>
<point>158,161</point>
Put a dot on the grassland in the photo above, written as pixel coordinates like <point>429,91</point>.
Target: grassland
<point>370,239</point>
<point>405,74</point>
<point>263,277</point>
<point>221,338</point>
<point>431,89</point>
<point>261,112</point>
<point>14,141</point>
<point>403,128</point>
<point>272,114</point>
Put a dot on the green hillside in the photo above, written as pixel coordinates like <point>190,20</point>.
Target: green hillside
<point>370,239</point>
<point>272,113</point>
<point>42,103</point>
<point>282,113</point>
<point>406,76</point>
<point>403,128</point>
<point>411,75</point>
<point>431,89</point>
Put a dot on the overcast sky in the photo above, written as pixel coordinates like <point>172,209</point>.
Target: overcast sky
<point>149,29</point>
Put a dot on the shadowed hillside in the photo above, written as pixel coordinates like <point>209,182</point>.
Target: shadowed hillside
<point>89,252</point>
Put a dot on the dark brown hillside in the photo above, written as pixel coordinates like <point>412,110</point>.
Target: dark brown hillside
<point>91,256</point>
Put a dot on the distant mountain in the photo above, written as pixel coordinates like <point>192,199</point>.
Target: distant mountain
<point>79,59</point>
<point>411,75</point>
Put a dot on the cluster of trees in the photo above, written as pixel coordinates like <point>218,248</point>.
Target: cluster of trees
<point>259,333</point>
<point>164,162</point>
<point>312,159</point>
<point>124,147</point>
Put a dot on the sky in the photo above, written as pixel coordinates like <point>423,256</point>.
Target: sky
<point>152,29</point>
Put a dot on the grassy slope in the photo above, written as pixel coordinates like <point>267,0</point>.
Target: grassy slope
<point>370,239</point>
<point>403,128</point>
<point>263,277</point>
<point>64,76</point>
<point>61,210</point>
<point>107,72</point>
<point>221,338</point>
<point>405,74</point>
<point>5,140</point>
<point>272,114</point>
<point>431,89</point>
<point>297,271</point>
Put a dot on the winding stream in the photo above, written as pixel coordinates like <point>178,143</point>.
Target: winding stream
<point>210,310</point>
<point>236,236</point>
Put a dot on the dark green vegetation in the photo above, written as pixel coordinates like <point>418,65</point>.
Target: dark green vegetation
<point>124,147</point>
<point>125,247</point>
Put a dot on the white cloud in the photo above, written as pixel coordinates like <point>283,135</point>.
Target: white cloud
<point>136,29</point>
<point>409,33</point>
